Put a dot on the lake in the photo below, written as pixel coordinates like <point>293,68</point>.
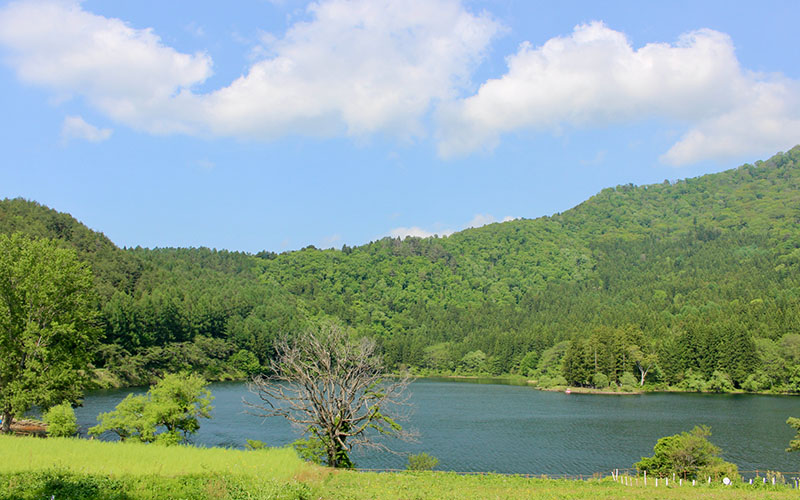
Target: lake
<point>515,429</point>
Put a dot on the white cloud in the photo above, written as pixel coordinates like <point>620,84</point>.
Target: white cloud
<point>594,77</point>
<point>75,127</point>
<point>124,72</point>
<point>356,67</point>
<point>766,121</point>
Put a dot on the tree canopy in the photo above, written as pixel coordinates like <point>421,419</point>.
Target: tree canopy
<point>168,414</point>
<point>47,324</point>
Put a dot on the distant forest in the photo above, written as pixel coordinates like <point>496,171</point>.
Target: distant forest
<point>693,284</point>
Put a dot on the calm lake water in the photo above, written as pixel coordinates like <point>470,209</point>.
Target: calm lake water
<point>515,429</point>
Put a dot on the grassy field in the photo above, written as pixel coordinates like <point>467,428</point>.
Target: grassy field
<point>79,469</point>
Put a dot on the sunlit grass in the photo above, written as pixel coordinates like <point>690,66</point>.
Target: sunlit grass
<point>39,468</point>
<point>99,457</point>
<point>433,485</point>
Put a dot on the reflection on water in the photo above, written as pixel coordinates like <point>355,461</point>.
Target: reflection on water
<point>516,429</point>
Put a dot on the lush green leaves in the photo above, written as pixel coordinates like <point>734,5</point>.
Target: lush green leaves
<point>173,406</point>
<point>47,332</point>
<point>61,421</point>
<point>689,455</point>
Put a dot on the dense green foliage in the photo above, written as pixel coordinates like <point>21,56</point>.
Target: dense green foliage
<point>61,421</point>
<point>692,284</point>
<point>689,455</point>
<point>173,405</point>
<point>422,461</point>
<point>47,335</point>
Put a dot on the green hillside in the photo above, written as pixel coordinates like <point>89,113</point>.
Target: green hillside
<point>694,282</point>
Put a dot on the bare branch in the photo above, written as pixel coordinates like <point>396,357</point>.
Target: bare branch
<point>334,388</point>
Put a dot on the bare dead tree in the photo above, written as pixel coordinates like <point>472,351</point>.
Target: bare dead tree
<point>335,389</point>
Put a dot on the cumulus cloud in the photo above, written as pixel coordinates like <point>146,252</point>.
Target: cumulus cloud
<point>355,67</point>
<point>594,77</point>
<point>75,127</point>
<point>124,72</point>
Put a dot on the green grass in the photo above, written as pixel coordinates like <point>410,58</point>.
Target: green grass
<point>102,457</point>
<point>436,485</point>
<point>33,469</point>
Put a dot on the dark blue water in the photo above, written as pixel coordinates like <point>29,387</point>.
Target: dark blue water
<point>516,429</point>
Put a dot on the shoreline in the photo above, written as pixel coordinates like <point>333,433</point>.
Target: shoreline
<point>509,379</point>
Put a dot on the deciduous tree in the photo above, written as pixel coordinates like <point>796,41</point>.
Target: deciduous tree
<point>47,331</point>
<point>334,388</point>
<point>175,404</point>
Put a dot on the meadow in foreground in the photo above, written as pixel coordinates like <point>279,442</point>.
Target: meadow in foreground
<point>80,469</point>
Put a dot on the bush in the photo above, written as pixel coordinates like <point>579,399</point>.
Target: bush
<point>693,382</point>
<point>753,383</point>
<point>254,444</point>
<point>422,461</point>
<point>310,449</point>
<point>527,367</point>
<point>628,382</point>
<point>246,361</point>
<point>61,421</point>
<point>690,455</point>
<point>600,380</point>
<point>720,382</point>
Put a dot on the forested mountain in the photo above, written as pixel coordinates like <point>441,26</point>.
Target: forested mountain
<point>693,283</point>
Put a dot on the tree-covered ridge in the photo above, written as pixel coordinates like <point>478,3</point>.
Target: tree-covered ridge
<point>697,277</point>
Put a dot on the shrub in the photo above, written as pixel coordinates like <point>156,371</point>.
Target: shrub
<point>61,421</point>
<point>422,461</point>
<point>628,382</point>
<point>246,361</point>
<point>600,380</point>
<point>254,444</point>
<point>689,455</point>
<point>693,382</point>
<point>310,449</point>
<point>720,382</point>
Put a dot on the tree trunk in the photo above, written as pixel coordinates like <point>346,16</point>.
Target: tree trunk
<point>7,417</point>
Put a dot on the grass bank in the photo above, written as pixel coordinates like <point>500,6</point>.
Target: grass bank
<point>33,468</point>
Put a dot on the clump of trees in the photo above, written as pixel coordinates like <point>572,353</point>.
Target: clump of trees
<point>689,455</point>
<point>168,413</point>
<point>334,388</point>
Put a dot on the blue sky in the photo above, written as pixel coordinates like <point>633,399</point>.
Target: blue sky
<point>276,125</point>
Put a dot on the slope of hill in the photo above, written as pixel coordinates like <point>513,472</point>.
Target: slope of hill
<point>693,282</point>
